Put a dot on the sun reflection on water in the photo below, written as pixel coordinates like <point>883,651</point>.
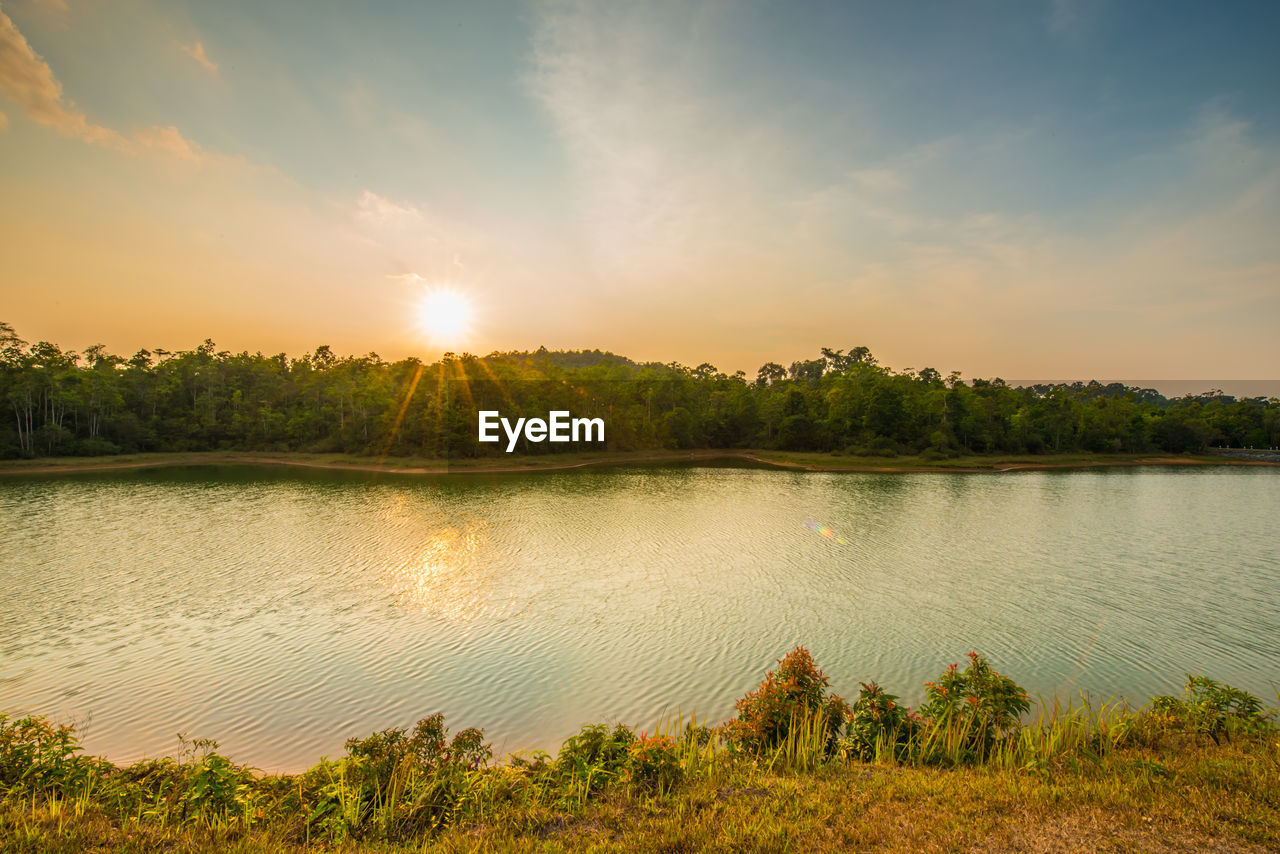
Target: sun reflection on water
<point>451,577</point>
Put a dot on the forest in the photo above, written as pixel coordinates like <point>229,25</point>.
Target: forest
<point>63,403</point>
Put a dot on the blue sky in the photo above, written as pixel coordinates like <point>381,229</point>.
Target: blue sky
<point>1025,189</point>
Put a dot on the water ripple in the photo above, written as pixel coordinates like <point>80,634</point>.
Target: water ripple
<point>282,613</point>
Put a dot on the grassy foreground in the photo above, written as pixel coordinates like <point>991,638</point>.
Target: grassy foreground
<point>796,460</point>
<point>796,770</point>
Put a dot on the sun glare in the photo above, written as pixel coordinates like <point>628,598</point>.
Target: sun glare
<point>445,316</point>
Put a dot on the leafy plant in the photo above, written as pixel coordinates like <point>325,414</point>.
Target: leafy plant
<point>879,727</point>
<point>218,788</point>
<point>396,782</point>
<point>1213,708</point>
<point>36,754</point>
<point>967,711</point>
<point>426,749</point>
<point>654,761</point>
<point>597,754</point>
<point>795,691</point>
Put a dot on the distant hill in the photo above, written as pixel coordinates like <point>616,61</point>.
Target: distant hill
<point>572,359</point>
<point>1182,388</point>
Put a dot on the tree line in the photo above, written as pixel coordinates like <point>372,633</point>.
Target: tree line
<point>61,402</point>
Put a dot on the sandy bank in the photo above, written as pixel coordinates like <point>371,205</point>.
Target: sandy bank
<point>795,462</point>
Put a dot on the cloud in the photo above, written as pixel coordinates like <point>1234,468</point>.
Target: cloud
<point>27,79</point>
<point>684,172</point>
<point>30,81</point>
<point>196,52</point>
<point>657,154</point>
<point>169,141</point>
<point>877,179</point>
<point>1206,234</point>
<point>382,213</point>
<point>686,189</point>
<point>4,122</point>
<point>415,242</point>
<point>691,184</point>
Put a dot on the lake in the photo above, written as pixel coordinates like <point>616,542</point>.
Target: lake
<point>281,611</point>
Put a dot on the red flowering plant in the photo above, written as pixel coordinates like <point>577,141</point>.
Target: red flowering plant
<point>653,761</point>
<point>879,726</point>
<point>976,705</point>
<point>790,695</point>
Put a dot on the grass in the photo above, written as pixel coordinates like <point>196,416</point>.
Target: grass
<point>1199,772</point>
<point>1196,799</point>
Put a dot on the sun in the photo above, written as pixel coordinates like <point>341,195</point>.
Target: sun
<point>445,316</point>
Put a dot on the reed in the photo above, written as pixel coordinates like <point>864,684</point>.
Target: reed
<point>804,747</point>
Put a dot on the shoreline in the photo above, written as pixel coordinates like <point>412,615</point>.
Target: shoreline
<point>1150,779</point>
<point>785,461</point>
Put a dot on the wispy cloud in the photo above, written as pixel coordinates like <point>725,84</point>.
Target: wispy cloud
<point>1179,249</point>
<point>877,180</point>
<point>196,52</point>
<point>27,79</point>
<point>382,213</point>
<point>416,241</point>
<point>4,122</point>
<point>658,158</point>
<point>169,140</point>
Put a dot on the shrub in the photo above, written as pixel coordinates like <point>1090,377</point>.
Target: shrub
<point>218,788</point>
<point>1212,708</point>
<point>967,711</point>
<point>394,783</point>
<point>36,754</point>
<point>877,723</point>
<point>653,761</point>
<point>200,784</point>
<point>96,448</point>
<point>596,755</point>
<point>425,750</point>
<point>794,692</point>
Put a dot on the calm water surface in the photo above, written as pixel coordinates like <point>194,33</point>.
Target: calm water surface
<point>281,612</point>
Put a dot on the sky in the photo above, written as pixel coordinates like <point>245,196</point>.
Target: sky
<point>1059,189</point>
